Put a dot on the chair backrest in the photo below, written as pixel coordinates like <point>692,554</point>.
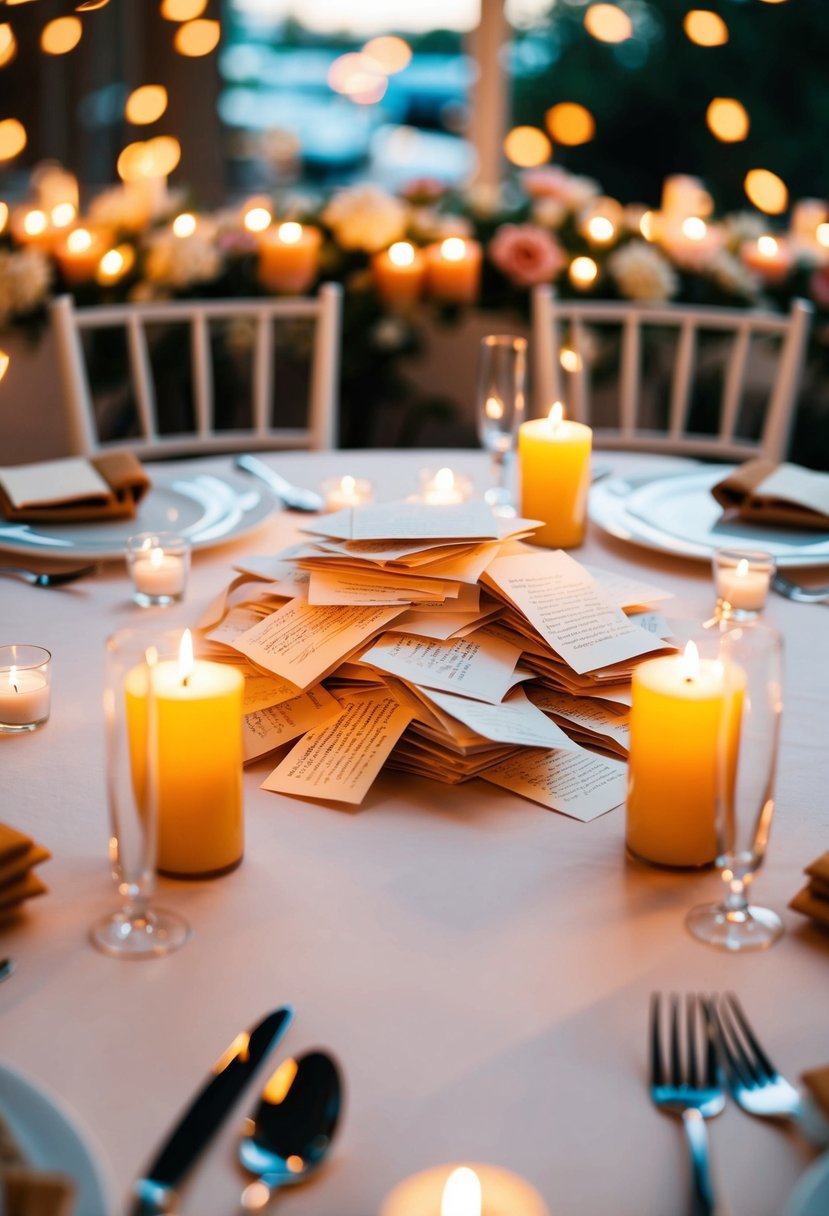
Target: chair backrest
<point>155,438</point>
<point>665,415</point>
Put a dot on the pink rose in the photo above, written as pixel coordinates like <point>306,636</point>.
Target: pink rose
<point>526,254</point>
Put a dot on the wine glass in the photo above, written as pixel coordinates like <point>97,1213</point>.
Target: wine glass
<point>749,734</point>
<point>500,403</point>
<point>138,930</point>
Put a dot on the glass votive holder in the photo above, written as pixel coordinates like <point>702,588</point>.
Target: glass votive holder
<point>340,492</point>
<point>159,563</point>
<point>443,486</point>
<point>742,578</point>
<point>25,688</point>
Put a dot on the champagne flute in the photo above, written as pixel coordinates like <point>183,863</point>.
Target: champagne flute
<point>500,403</point>
<point>137,930</point>
<point>746,764</point>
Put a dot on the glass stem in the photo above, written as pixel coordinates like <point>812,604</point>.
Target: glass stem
<point>735,903</point>
<point>499,469</point>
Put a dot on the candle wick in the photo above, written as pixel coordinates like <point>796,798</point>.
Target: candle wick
<point>14,686</point>
<point>185,681</point>
<point>689,679</point>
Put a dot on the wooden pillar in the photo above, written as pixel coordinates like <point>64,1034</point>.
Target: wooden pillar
<point>490,99</point>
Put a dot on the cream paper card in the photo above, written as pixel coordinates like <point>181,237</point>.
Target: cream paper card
<point>515,720</point>
<point>624,591</point>
<point>598,717</point>
<point>339,762</point>
<point>348,587</point>
<point>576,783</point>
<point>270,727</point>
<point>302,641</point>
<point>401,521</point>
<point>263,692</point>
<point>569,610</point>
<point>53,482</point>
<point>478,666</point>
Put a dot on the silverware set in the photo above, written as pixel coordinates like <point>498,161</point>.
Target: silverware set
<point>800,595</point>
<point>711,1050</point>
<point>47,578</point>
<point>283,1143</point>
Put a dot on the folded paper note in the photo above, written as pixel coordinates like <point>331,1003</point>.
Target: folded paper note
<point>55,491</point>
<point>785,495</point>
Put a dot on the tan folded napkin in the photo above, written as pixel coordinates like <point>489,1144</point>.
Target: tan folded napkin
<point>813,899</point>
<point>75,489</point>
<point>28,1192</point>
<point>18,855</point>
<point>784,495</point>
<point>816,1081</point>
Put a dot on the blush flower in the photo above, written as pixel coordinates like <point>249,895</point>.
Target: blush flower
<point>527,255</point>
<point>642,273</point>
<point>366,218</point>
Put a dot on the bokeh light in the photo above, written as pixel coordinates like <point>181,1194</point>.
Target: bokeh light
<point>146,104</point>
<point>727,119</point>
<point>821,235</point>
<point>35,222</point>
<point>197,38</point>
<point>115,263</point>
<point>4,216</point>
<point>185,224</point>
<point>63,214</point>
<point>390,53</point>
<point>608,23</point>
<point>582,272</point>
<point>705,28</point>
<point>257,219</point>
<point>8,44</point>
<point>4,363</point>
<point>182,10</point>
<point>527,147</point>
<point>570,123</point>
<point>694,228</point>
<point>358,77</point>
<point>766,191</point>
<point>12,138</point>
<point>61,35</point>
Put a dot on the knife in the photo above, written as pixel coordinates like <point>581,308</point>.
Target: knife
<point>293,497</point>
<point>154,1194</point>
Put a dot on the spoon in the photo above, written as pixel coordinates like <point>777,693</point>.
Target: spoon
<point>295,498</point>
<point>292,1127</point>
<point>6,968</point>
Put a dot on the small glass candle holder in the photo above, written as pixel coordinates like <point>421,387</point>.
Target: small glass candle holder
<point>443,486</point>
<point>159,563</point>
<point>742,578</point>
<point>25,688</point>
<point>340,492</point>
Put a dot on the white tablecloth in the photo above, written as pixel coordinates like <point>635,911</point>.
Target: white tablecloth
<point>481,966</point>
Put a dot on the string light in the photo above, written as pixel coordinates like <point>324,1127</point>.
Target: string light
<point>12,138</point>
<point>766,191</point>
<point>570,123</point>
<point>527,147</point>
<point>196,38</point>
<point>705,28</point>
<point>608,23</point>
<point>146,104</point>
<point>61,35</point>
<point>727,119</point>
<point>582,272</point>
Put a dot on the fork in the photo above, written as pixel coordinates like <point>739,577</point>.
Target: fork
<point>801,595</point>
<point>52,578</point>
<point>752,1079</point>
<point>690,1086</point>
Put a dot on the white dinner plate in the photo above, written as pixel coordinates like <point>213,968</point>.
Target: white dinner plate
<point>810,1196</point>
<point>678,514</point>
<point>206,508</point>
<point>49,1140</point>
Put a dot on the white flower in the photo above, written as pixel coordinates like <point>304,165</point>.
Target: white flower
<point>733,276</point>
<point>366,218</point>
<point>25,277</point>
<point>548,212</point>
<point>642,273</point>
<point>130,208</point>
<point>181,261</point>
<point>744,226</point>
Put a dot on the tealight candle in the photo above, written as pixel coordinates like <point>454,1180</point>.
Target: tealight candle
<point>78,254</point>
<point>478,1190</point>
<point>742,579</point>
<point>454,270</point>
<point>24,688</point>
<point>675,717</point>
<point>158,564</point>
<point>399,273</point>
<point>288,256</point>
<point>769,256</point>
<point>443,487</point>
<point>554,461</point>
<point>199,752</point>
<point>346,491</point>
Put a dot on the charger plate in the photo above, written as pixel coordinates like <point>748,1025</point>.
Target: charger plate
<point>678,515</point>
<point>206,508</point>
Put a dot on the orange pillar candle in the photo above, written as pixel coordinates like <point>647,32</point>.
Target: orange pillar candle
<point>675,720</point>
<point>454,270</point>
<point>30,226</point>
<point>288,257</point>
<point>399,273</point>
<point>554,464</point>
<point>79,254</point>
<point>199,756</point>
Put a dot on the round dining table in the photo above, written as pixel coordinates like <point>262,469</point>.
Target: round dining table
<point>480,966</point>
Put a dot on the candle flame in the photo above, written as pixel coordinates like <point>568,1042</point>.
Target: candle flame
<point>156,557</point>
<point>767,246</point>
<point>742,568</point>
<point>13,677</point>
<point>494,409</point>
<point>444,481</point>
<point>185,224</point>
<point>601,229</point>
<point>79,240</point>
<point>821,235</point>
<point>555,415</point>
<point>4,363</point>
<point>453,249</point>
<point>694,228</point>
<point>63,215</point>
<point>185,656</point>
<point>401,253</point>
<point>257,219</point>
<point>290,233</point>
<point>348,485</point>
<point>34,222</point>
<point>690,662</point>
<point>461,1193</point>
